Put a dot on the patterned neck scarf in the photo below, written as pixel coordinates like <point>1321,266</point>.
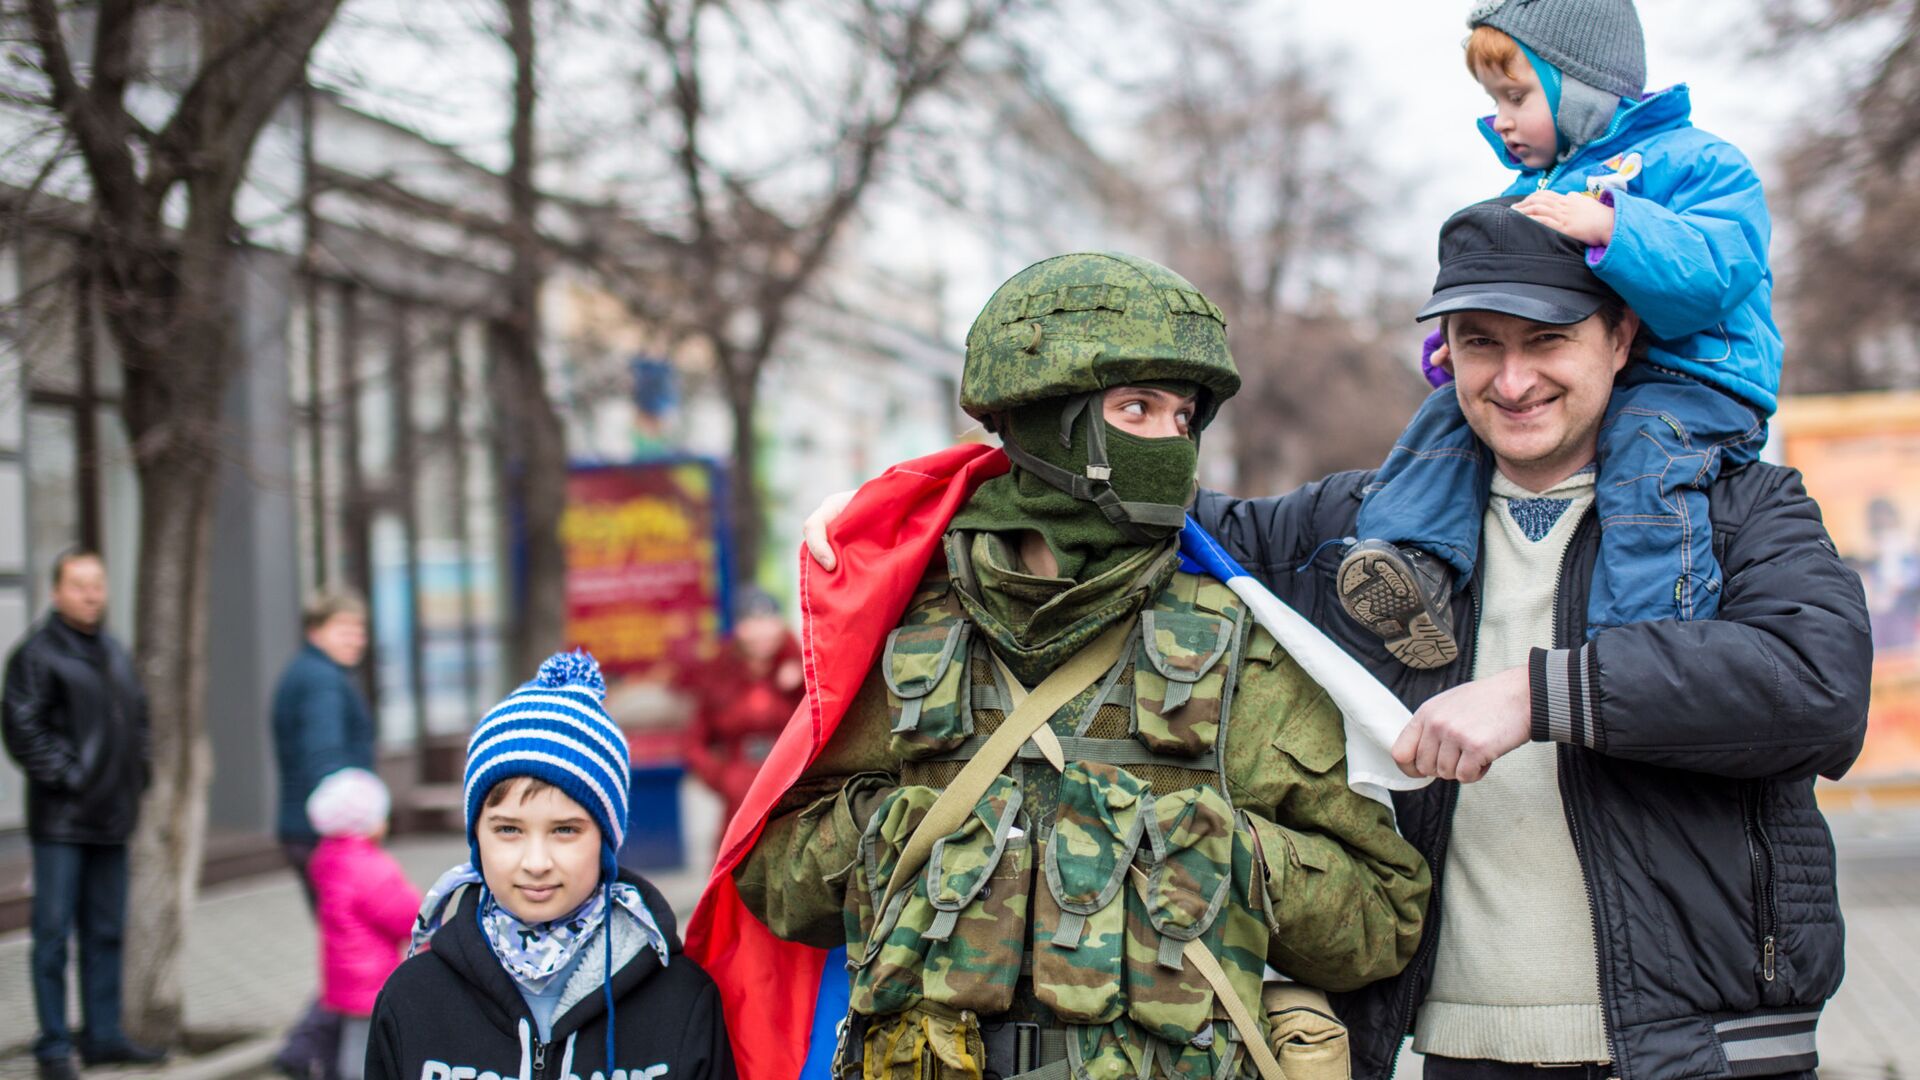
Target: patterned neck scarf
<point>533,953</point>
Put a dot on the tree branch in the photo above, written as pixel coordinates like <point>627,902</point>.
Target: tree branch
<point>96,115</point>
<point>237,89</point>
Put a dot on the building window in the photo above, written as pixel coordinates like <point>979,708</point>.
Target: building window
<point>395,464</point>
<point>81,486</point>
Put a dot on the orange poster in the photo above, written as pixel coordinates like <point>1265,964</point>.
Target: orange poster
<point>1861,458</point>
<point>646,564</point>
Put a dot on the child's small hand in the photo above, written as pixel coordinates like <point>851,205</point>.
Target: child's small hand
<point>1433,362</point>
<point>1587,220</point>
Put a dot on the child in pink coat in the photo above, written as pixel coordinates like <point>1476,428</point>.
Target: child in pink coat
<point>365,904</point>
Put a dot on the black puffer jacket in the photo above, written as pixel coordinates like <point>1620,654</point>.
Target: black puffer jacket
<point>1687,771</point>
<point>453,1011</point>
<point>75,718</point>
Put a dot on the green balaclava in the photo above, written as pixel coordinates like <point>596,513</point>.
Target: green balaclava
<point>1152,472</point>
<point>1042,355</point>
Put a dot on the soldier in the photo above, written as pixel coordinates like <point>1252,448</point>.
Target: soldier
<point>1100,899</point>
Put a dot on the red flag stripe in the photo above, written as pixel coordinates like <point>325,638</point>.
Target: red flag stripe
<point>885,539</point>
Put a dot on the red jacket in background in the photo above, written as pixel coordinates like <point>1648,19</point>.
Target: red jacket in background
<point>885,537</point>
<point>737,718</point>
<point>365,909</point>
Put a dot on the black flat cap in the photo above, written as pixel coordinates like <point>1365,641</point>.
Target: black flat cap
<point>1494,258</point>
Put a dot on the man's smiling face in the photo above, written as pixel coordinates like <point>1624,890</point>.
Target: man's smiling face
<point>1535,392</point>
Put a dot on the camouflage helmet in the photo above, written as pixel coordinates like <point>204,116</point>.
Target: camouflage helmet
<point>1090,321</point>
<point>1068,329</point>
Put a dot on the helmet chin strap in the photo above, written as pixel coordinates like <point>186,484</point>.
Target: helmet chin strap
<point>1140,522</point>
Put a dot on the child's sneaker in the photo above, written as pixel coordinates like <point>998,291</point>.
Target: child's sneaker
<point>1403,595</point>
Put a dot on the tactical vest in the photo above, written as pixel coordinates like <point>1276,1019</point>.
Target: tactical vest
<point>1076,888</point>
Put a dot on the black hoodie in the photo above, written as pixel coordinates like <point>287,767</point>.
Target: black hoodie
<point>454,1012</point>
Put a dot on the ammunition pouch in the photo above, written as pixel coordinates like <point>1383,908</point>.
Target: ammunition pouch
<point>955,936</point>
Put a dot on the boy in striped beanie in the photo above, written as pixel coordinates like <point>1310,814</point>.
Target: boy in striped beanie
<point>545,794</point>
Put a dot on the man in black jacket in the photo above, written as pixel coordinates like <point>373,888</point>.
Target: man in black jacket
<point>1631,876</point>
<point>75,719</point>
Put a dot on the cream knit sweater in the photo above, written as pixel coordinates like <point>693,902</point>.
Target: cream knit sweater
<point>1515,974</point>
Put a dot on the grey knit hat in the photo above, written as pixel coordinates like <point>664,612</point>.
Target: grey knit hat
<point>1598,42</point>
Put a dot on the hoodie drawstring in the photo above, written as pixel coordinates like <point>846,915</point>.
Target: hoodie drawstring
<point>566,1060</point>
<point>606,984</point>
<point>526,1052</point>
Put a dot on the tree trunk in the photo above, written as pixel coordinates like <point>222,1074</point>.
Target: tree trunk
<point>176,519</point>
<point>743,480</point>
<point>175,337</point>
<point>538,475</point>
<point>537,489</point>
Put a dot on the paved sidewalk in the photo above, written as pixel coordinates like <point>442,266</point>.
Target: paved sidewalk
<point>250,955</point>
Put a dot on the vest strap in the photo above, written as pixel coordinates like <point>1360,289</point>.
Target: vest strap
<point>1204,962</point>
<point>950,810</point>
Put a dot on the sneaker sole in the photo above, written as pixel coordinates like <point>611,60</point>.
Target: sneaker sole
<point>1380,592</point>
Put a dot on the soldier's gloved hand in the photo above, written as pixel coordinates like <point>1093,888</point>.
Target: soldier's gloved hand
<point>814,530</point>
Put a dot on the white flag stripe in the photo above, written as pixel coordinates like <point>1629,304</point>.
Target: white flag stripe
<point>1373,716</point>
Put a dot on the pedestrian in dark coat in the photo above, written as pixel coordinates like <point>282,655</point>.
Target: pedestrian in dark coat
<point>75,719</point>
<point>321,724</point>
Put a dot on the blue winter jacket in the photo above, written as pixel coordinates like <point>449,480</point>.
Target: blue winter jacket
<point>320,724</point>
<point>1689,250</point>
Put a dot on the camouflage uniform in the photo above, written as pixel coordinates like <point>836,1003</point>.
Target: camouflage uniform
<point>1060,907</point>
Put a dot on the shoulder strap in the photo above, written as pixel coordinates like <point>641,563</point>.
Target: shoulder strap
<point>1194,951</point>
<point>1029,716</point>
<point>1204,962</point>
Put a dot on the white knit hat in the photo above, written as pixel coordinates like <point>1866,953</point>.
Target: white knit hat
<point>351,802</point>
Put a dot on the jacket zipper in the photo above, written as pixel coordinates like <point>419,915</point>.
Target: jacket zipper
<point>1416,970</point>
<point>1601,974</point>
<point>1613,127</point>
<point>1766,907</point>
<point>539,1059</point>
<point>1565,628</point>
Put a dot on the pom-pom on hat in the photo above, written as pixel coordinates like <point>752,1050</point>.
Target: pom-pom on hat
<point>349,802</point>
<point>556,729</point>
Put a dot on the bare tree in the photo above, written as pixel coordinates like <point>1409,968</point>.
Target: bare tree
<point>535,438</point>
<point>1252,178</point>
<point>1850,282</point>
<point>165,286</point>
<point>741,220</point>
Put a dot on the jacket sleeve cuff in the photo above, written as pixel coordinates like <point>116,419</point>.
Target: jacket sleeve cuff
<point>1566,701</point>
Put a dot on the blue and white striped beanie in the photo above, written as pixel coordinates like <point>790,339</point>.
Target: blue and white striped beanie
<point>555,728</point>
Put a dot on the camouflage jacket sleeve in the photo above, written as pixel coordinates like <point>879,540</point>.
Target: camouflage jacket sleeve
<point>1346,894</point>
<point>795,877</point>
